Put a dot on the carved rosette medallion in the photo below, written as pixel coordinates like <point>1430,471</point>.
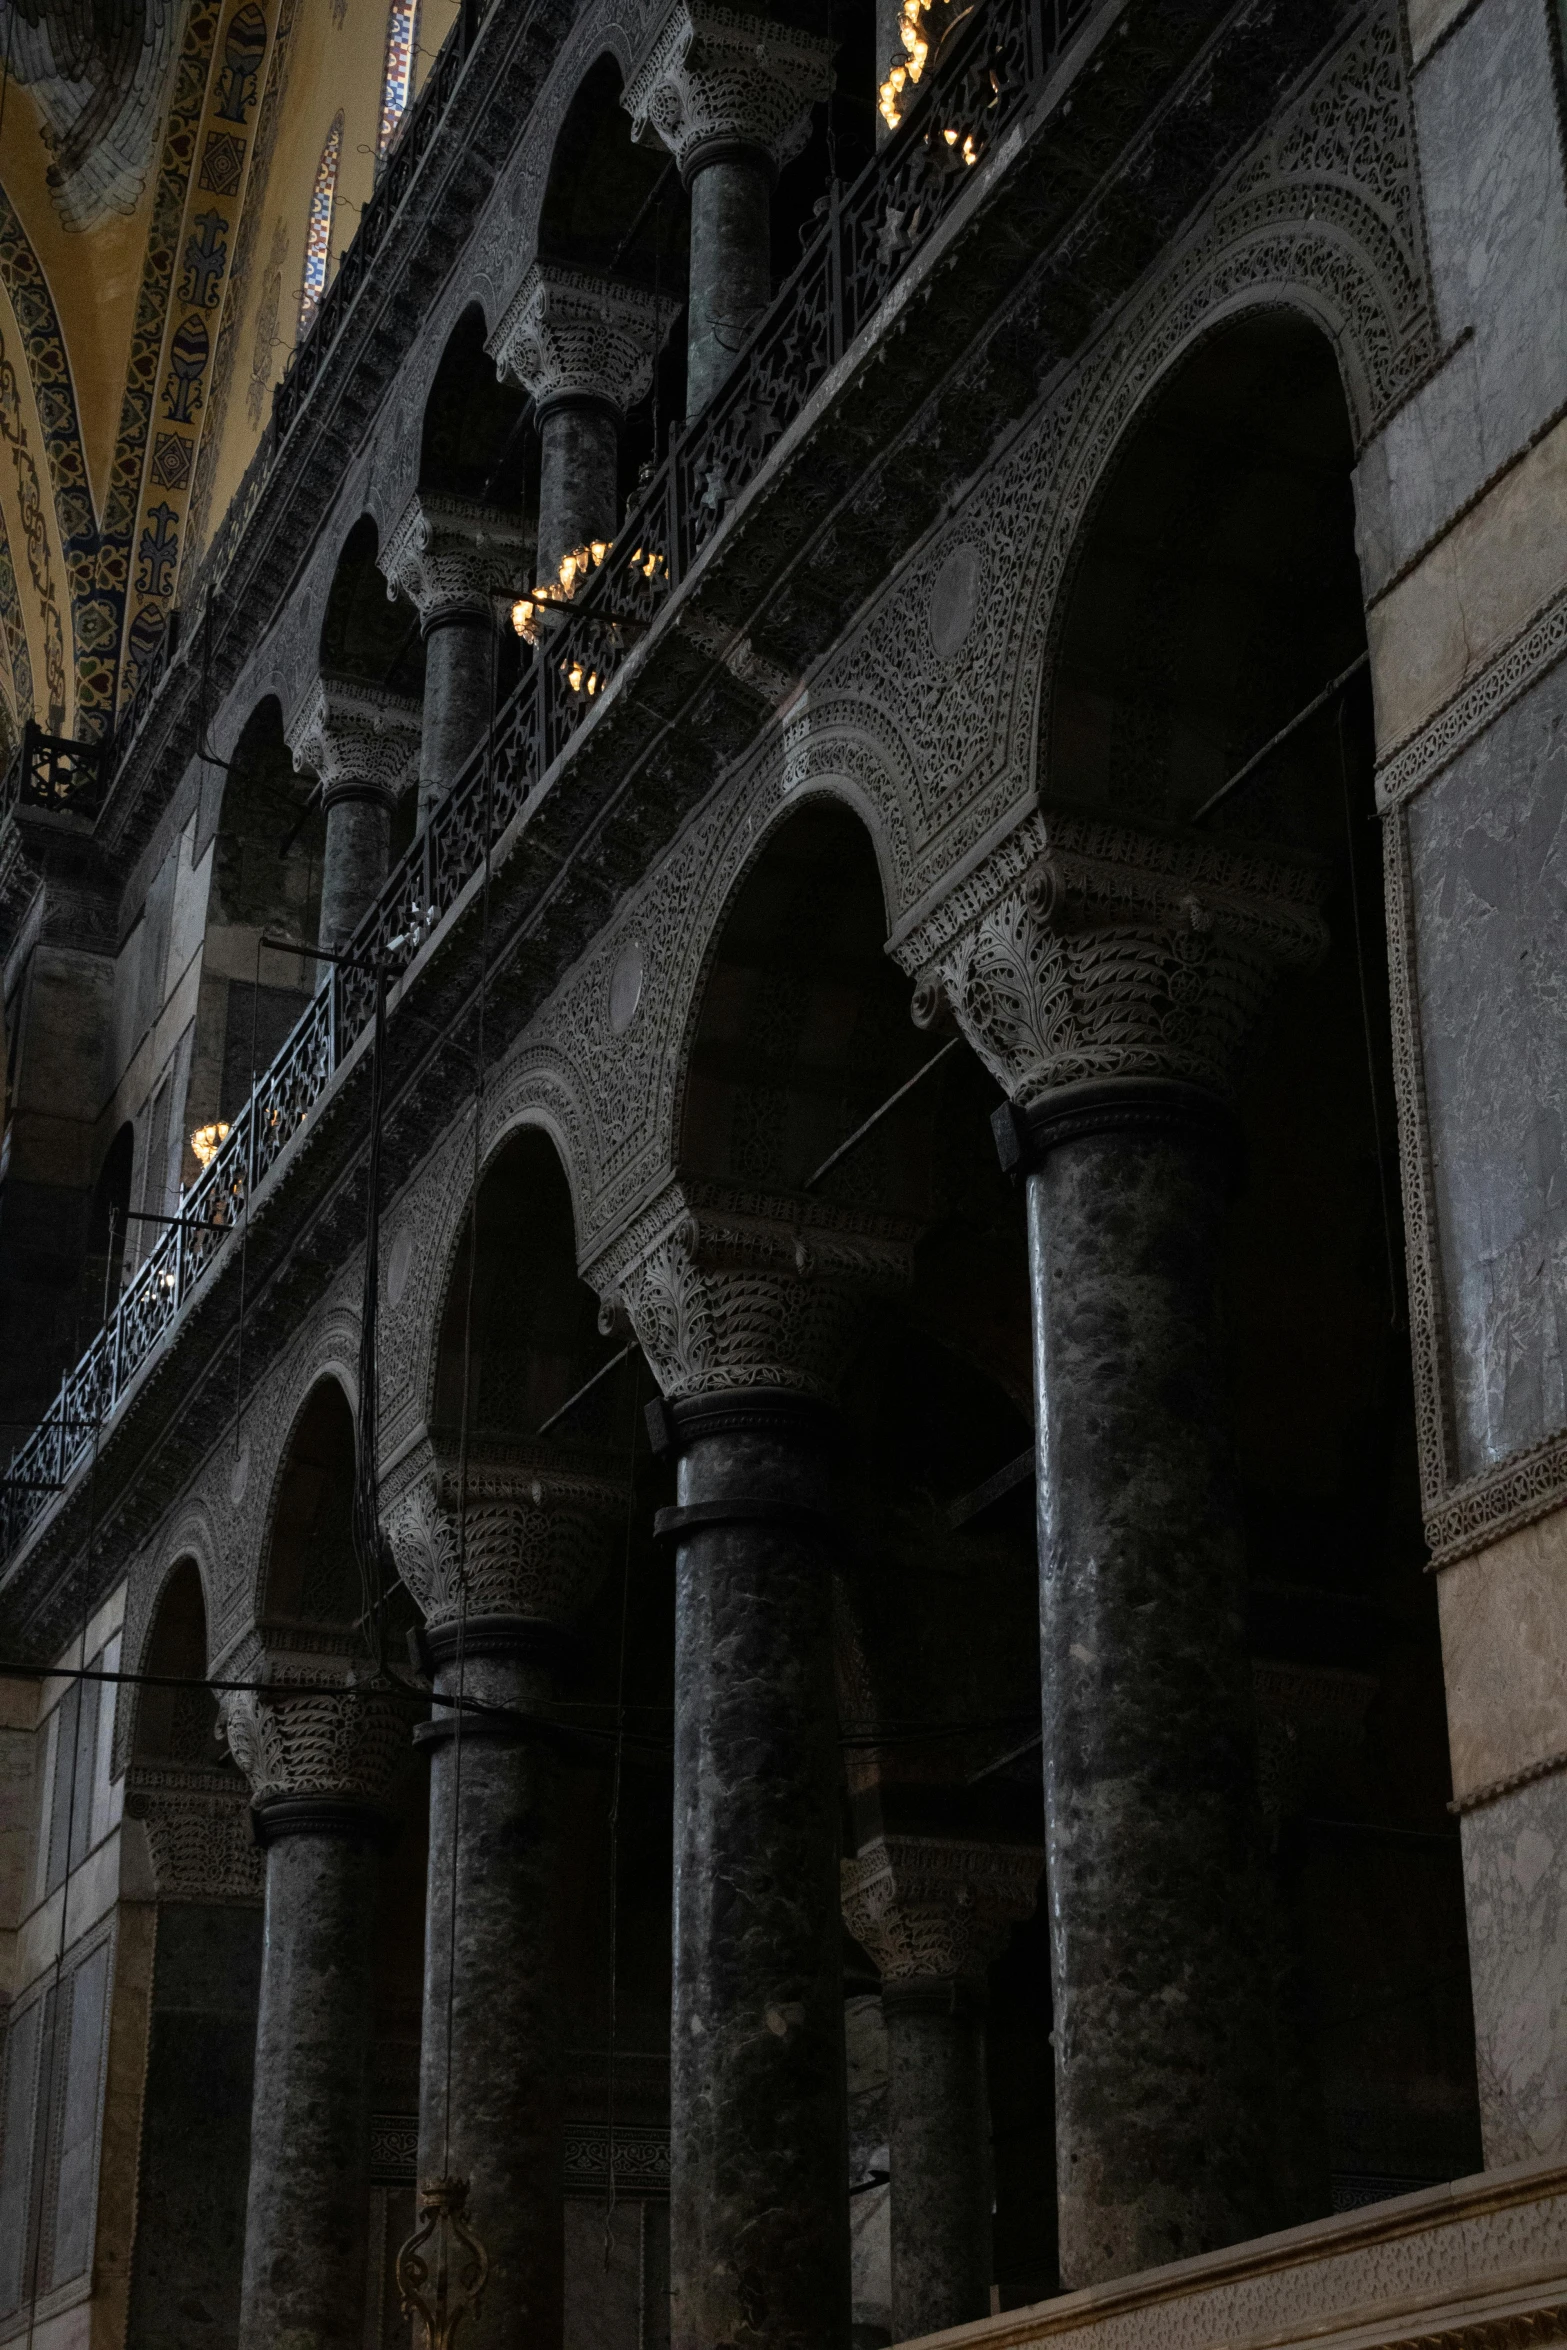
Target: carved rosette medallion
<point>358,740</point>
<point>531,1530</point>
<point>572,334</point>
<point>710,76</point>
<point>727,1288</point>
<point>933,1909</point>
<point>449,555</point>
<point>1084,948</point>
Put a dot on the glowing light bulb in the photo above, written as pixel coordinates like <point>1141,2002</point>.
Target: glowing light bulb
<point>207,1140</point>
<point>522,613</point>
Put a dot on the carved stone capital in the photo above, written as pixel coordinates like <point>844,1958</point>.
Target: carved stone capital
<point>572,334</point>
<point>932,1909</point>
<point>451,555</point>
<point>358,740</point>
<point>727,1288</point>
<point>197,1827</point>
<point>338,1745</point>
<point>530,1529</point>
<point>711,77</point>
<point>1084,948</point>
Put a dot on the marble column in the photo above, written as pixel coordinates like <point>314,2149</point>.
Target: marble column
<point>452,559</point>
<point>320,1769</point>
<point>933,1911</point>
<point>748,1310</point>
<point>526,1532</point>
<point>358,741</point>
<point>1109,978</point>
<point>729,94</point>
<point>584,347</point>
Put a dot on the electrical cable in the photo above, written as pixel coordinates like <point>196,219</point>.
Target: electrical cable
<point>614,1813</point>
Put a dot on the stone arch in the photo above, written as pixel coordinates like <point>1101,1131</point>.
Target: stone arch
<point>318,1440</point>
<point>368,634</point>
<point>474,431</point>
<point>189,1542</point>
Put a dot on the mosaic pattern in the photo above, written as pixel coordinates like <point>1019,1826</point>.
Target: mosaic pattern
<point>20,659</point>
<point>318,234</point>
<point>402,31</point>
<point>189,264</point>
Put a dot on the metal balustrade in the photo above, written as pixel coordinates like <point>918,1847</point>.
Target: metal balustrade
<point>988,72</point>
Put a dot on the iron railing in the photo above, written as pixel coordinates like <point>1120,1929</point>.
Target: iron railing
<point>51,771</point>
<point>869,234</point>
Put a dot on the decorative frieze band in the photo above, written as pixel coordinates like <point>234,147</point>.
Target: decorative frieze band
<point>1514,1493</point>
<point>1410,765</point>
<point>638,2158</point>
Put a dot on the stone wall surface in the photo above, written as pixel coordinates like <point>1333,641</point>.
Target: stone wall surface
<point>1515,1869</point>
<point>1478,2265</point>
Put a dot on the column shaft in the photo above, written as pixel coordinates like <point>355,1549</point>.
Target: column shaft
<point>1162,2027</point>
<point>458,684</point>
<point>356,859</point>
<point>759,2251</point>
<point>939,2153</point>
<point>306,2211</point>
<point>505,2096</point>
<point>579,479</point>
<point>731,267</point>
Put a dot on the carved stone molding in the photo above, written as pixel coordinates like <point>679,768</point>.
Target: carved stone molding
<point>709,76</point>
<point>354,738</point>
<point>572,334</point>
<point>533,1535</point>
<point>933,1909</point>
<point>728,1288</point>
<point>197,1825</point>
<point>1086,948</point>
<point>450,555</point>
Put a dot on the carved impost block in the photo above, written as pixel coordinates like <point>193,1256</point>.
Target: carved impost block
<point>710,77</point>
<point>450,555</point>
<point>319,1738</point>
<point>196,1824</point>
<point>571,334</point>
<point>1085,948</point>
<point>727,1288</point>
<point>354,738</point>
<point>528,1529</point>
<point>932,1909</point>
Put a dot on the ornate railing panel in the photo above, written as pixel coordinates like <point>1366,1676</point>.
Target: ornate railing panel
<point>51,771</point>
<point>870,232</point>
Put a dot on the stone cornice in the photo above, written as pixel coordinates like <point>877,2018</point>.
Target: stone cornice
<point>451,554</point>
<point>710,76</point>
<point>572,334</point>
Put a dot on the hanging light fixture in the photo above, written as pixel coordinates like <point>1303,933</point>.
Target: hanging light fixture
<point>441,2270</point>
<point>208,1140</point>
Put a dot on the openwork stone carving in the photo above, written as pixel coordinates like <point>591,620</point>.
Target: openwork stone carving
<point>198,1834</point>
<point>710,76</point>
<point>453,555</point>
<point>726,1288</point>
<point>355,738</point>
<point>571,334</point>
<point>1086,948</point>
<point>344,1745</point>
<point>533,1534</point>
<point>932,1909</point>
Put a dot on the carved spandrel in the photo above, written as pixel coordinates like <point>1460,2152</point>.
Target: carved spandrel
<point>448,554</point>
<point>573,334</point>
<point>528,1531</point>
<point>728,1289</point>
<point>1084,948</point>
<point>708,75</point>
<point>936,1909</point>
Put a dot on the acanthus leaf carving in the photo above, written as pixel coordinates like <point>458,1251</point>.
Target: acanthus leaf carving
<point>527,1529</point>
<point>936,1908</point>
<point>709,73</point>
<point>354,737</point>
<point>449,554</point>
<point>574,334</point>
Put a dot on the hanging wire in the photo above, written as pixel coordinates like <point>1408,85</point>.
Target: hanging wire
<point>244,1230</point>
<point>614,1809</point>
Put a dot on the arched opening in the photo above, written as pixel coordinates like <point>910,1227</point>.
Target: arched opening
<point>180,1724</point>
<point>265,876</point>
<point>372,637</point>
<point>475,426</point>
<point>1216,593</point>
<point>802,1034</point>
<point>311,1575</point>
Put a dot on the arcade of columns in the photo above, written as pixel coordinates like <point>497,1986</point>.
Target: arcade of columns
<point>1107,978</point>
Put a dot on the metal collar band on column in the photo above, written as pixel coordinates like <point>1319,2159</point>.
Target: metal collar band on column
<point>353,787</point>
<point>528,1638</point>
<point>725,148</point>
<point>738,1411</point>
<point>959,1995</point>
<point>456,616</point>
<point>1157,1106</point>
<point>759,1509</point>
<point>577,403</point>
<point>320,1815</point>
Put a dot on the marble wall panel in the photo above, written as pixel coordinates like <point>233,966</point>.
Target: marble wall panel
<point>1488,843</point>
<point>1504,1654</point>
<point>1515,1883</point>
